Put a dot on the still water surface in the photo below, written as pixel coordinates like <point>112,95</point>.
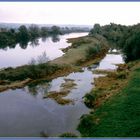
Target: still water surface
<point>12,57</point>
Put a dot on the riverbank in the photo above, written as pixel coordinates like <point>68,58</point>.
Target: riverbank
<point>12,78</point>
<point>115,104</point>
<point>73,60</point>
<point>77,53</point>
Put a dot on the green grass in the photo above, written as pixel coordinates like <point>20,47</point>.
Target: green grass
<point>78,51</point>
<point>93,51</point>
<point>73,55</point>
<point>117,117</point>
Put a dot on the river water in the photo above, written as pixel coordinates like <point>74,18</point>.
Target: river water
<point>24,112</point>
<point>12,57</point>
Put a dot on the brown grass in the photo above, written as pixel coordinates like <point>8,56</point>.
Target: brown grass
<point>65,90</point>
<point>101,71</point>
<point>111,84</point>
<point>68,85</point>
<point>17,84</point>
<point>108,86</point>
<point>58,97</point>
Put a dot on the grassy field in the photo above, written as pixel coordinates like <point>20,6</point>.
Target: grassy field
<point>119,116</point>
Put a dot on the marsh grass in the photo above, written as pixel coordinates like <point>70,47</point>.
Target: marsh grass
<point>58,97</point>
<point>65,90</point>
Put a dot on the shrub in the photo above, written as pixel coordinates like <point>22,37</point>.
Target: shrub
<point>93,51</point>
<point>30,71</point>
<point>2,76</point>
<point>89,99</point>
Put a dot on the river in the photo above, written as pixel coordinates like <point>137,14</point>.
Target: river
<point>24,112</point>
<point>21,55</point>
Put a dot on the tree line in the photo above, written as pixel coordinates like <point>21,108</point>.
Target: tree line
<point>126,38</point>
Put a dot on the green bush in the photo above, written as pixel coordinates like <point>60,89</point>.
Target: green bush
<point>86,124</point>
<point>79,42</point>
<point>89,99</point>
<point>93,51</point>
<point>30,71</point>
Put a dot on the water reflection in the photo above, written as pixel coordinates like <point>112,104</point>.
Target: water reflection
<point>25,51</point>
<point>23,44</point>
<point>41,88</point>
<point>12,46</point>
<point>43,39</point>
<point>34,43</point>
<point>55,38</point>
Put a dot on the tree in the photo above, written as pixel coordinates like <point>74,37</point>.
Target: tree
<point>132,46</point>
<point>55,30</point>
<point>23,34</point>
<point>44,31</point>
<point>3,40</point>
<point>96,29</point>
<point>34,31</point>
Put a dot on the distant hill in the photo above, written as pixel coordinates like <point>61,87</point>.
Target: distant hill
<point>16,25</point>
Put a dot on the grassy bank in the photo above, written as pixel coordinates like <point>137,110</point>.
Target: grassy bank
<point>117,106</point>
<point>78,54</point>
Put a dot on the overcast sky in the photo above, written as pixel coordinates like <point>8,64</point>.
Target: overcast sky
<point>87,13</point>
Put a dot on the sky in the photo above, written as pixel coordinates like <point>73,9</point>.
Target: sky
<point>79,13</point>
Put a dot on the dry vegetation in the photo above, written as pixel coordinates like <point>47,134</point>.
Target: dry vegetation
<point>58,96</point>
